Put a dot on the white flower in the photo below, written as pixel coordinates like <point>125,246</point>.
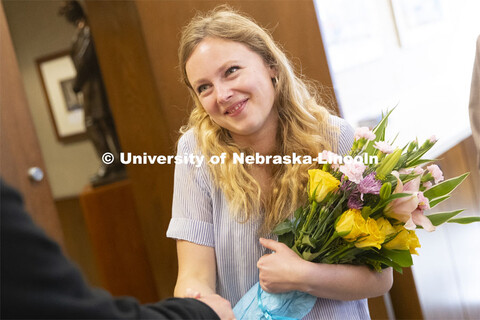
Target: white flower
<point>384,147</point>
<point>364,132</point>
<point>354,171</point>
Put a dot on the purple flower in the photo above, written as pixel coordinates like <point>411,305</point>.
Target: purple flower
<point>369,184</point>
<point>346,184</point>
<point>354,201</point>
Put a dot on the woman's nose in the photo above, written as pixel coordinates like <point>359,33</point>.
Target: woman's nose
<point>224,93</point>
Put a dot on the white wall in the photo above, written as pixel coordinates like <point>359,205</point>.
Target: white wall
<point>37,30</point>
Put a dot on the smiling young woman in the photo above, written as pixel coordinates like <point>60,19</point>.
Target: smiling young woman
<point>234,86</point>
<point>249,99</point>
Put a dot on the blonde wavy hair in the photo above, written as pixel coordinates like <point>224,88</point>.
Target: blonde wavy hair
<point>302,127</point>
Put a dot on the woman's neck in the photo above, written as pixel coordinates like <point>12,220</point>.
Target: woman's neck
<point>264,142</point>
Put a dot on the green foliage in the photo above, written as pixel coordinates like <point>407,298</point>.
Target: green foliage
<point>440,218</point>
<point>465,220</point>
<point>444,187</point>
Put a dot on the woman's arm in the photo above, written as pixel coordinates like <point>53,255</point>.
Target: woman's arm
<point>196,269</point>
<point>284,271</point>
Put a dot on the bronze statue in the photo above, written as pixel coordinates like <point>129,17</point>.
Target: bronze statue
<point>98,117</point>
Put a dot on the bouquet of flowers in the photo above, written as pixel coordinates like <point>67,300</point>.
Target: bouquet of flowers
<point>360,213</point>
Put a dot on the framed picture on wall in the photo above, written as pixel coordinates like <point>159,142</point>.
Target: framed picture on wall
<point>57,75</point>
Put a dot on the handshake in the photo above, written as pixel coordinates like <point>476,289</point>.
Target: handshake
<point>221,306</point>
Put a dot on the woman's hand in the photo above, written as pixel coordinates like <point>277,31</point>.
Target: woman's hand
<point>222,307</point>
<point>279,271</point>
<point>284,271</point>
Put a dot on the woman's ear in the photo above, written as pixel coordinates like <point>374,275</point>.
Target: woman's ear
<point>273,72</point>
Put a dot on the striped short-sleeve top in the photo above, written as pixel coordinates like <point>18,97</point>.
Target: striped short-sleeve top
<point>200,214</point>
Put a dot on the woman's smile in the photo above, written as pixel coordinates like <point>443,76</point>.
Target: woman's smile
<point>236,108</point>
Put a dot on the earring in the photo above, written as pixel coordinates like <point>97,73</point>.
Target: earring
<point>275,81</point>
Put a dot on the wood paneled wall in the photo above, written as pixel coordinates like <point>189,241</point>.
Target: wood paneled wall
<point>141,125</point>
<point>137,48</point>
<point>78,246</point>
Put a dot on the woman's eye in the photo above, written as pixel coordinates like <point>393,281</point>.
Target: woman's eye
<point>202,88</point>
<point>231,70</point>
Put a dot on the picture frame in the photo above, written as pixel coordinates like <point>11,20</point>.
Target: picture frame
<point>57,75</point>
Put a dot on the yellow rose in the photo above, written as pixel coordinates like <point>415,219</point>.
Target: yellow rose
<point>321,183</point>
<point>413,242</point>
<point>385,227</point>
<point>405,240</point>
<point>351,221</point>
<point>374,238</point>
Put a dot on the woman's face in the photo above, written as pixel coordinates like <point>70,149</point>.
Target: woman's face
<point>234,86</point>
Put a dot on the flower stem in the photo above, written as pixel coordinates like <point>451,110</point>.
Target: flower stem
<point>347,247</point>
<point>307,223</point>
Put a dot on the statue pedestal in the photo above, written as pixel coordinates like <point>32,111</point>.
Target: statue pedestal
<point>114,229</point>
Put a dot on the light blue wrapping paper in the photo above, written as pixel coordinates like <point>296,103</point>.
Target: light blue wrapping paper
<point>258,304</point>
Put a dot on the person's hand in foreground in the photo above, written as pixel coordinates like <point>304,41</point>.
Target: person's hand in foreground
<point>220,305</point>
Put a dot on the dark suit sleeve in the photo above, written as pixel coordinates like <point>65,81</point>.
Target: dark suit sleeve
<point>39,282</point>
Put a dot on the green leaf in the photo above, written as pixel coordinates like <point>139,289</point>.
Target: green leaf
<point>398,195</point>
<point>308,242</point>
<point>287,238</point>
<point>372,255</point>
<point>417,157</point>
<point>464,220</point>
<point>298,213</point>
<point>284,227</point>
<point>444,187</point>
<point>306,255</point>
<point>379,131</point>
<point>421,161</point>
<point>366,212</point>
<point>343,233</point>
<point>402,257</point>
<point>442,217</point>
<point>295,249</point>
<point>436,201</point>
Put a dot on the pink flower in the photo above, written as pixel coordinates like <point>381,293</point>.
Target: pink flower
<point>412,186</point>
<point>405,170</point>
<point>402,208</point>
<point>418,170</point>
<point>384,147</point>
<point>354,171</point>
<point>364,132</point>
<point>419,219</point>
<point>433,139</point>
<point>409,209</point>
<point>331,158</point>
<point>423,202</point>
<point>436,173</point>
<point>427,185</point>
